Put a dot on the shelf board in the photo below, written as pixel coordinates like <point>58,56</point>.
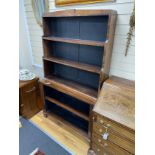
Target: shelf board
<point>71,88</point>
<point>60,104</point>
<point>68,126</point>
<point>76,41</point>
<point>82,66</point>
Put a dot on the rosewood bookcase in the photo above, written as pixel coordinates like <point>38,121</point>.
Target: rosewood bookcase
<point>77,52</point>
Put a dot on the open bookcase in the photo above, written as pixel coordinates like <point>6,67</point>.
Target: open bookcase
<point>77,51</point>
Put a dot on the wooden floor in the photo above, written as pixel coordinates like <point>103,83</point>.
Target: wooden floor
<point>61,132</point>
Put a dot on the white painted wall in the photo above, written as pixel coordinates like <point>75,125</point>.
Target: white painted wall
<point>25,59</point>
<point>120,65</point>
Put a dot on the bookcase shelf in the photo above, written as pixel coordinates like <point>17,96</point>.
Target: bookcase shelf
<point>63,121</point>
<point>83,116</point>
<point>77,48</point>
<point>72,88</point>
<point>82,66</point>
<point>76,41</point>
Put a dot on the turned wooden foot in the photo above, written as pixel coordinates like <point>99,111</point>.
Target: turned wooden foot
<point>45,114</point>
<point>91,152</point>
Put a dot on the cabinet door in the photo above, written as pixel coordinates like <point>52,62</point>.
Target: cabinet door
<point>30,98</point>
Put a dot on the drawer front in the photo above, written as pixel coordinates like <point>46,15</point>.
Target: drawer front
<point>114,138</point>
<point>110,147</point>
<point>99,150</point>
<point>127,133</point>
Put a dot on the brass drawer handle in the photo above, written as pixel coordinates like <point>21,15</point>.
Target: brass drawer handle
<point>33,89</point>
<point>105,144</point>
<point>108,125</point>
<point>106,128</point>
<point>101,121</point>
<point>100,130</point>
<point>98,150</point>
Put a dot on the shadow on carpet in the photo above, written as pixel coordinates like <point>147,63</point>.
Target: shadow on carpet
<point>31,137</point>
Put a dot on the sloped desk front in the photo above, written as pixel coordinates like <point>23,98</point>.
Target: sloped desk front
<point>113,129</point>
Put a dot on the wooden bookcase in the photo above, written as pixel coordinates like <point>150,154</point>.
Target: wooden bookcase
<point>77,51</point>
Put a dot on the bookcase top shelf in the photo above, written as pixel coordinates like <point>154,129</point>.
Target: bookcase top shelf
<point>74,12</point>
<point>75,41</point>
<point>82,66</point>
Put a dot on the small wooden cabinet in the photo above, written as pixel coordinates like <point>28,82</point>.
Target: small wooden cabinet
<point>113,128</point>
<point>29,98</point>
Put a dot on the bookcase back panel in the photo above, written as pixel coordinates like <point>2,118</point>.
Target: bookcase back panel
<point>65,72</point>
<point>93,28</point>
<point>67,100</point>
<point>87,78</point>
<point>86,27</point>
<point>68,116</point>
<point>69,73</point>
<point>65,50</point>
<point>92,55</point>
<point>65,27</point>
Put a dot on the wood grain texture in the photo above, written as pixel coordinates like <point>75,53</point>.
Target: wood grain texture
<point>24,83</point>
<point>77,131</point>
<point>82,66</point>
<point>109,146</point>
<point>108,49</point>
<point>108,149</point>
<point>114,137</point>
<point>76,41</point>
<point>114,114</point>
<point>85,94</point>
<point>63,133</point>
<point>117,101</point>
<point>115,128</point>
<point>41,86</point>
<point>109,46</point>
<point>29,97</point>
<point>74,12</point>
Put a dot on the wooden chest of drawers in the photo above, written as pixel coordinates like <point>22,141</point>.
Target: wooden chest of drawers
<point>113,130</point>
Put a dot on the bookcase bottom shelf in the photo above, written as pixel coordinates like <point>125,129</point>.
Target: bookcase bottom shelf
<point>71,88</point>
<point>78,124</point>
